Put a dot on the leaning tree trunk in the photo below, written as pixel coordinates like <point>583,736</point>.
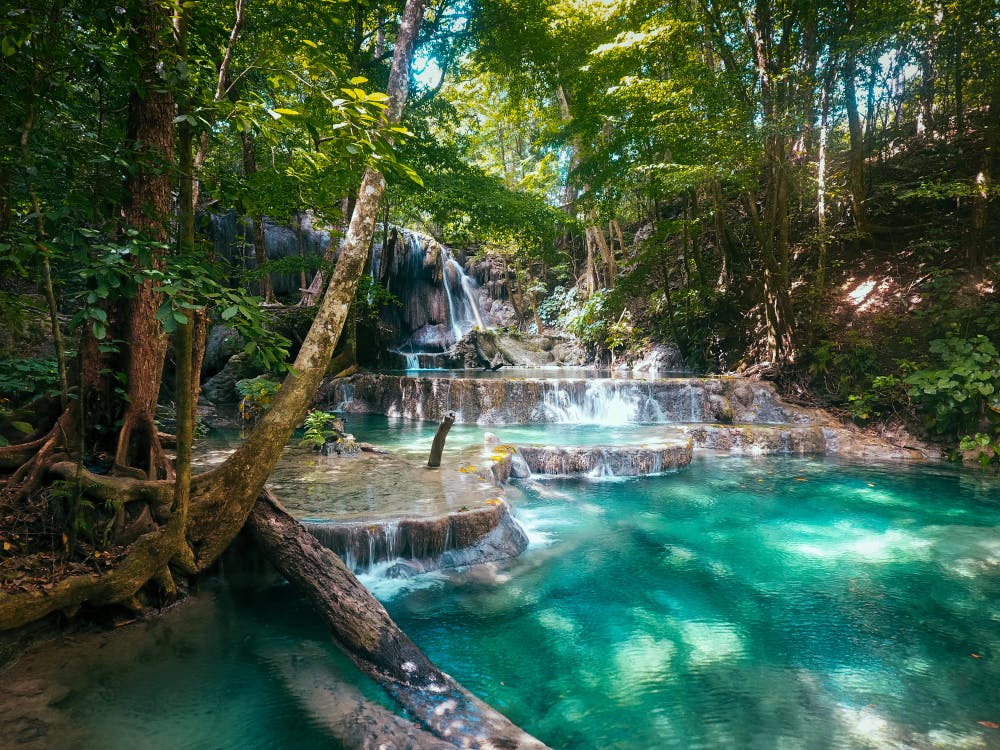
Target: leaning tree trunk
<point>222,499</point>
<point>364,630</point>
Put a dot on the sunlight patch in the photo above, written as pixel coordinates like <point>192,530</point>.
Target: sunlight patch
<point>641,662</point>
<point>712,642</point>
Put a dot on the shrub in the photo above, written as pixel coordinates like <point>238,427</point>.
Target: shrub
<point>960,394</point>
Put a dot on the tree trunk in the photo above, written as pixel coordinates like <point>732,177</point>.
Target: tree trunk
<point>856,154</point>
<point>215,522</point>
<point>150,136</point>
<point>437,447</point>
<point>259,239</point>
<point>366,633</point>
<point>979,249</point>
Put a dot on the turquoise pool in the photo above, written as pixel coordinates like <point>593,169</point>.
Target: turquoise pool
<point>740,603</point>
<point>774,603</point>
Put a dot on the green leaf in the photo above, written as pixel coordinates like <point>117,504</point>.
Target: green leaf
<point>24,427</point>
<point>285,111</point>
<point>100,330</point>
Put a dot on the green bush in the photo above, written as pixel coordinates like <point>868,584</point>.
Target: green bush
<point>959,395</point>
<point>23,379</point>
<point>321,427</point>
<point>257,395</point>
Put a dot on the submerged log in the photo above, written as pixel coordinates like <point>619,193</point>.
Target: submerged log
<point>437,447</point>
<point>343,711</point>
<point>366,633</point>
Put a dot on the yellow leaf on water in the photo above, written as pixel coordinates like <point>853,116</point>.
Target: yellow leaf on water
<point>989,724</point>
<point>7,546</point>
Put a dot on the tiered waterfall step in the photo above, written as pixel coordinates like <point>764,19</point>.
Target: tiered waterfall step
<point>498,401</point>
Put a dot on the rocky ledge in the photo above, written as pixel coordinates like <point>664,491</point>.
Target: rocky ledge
<point>417,545</point>
<point>830,439</point>
<point>623,461</point>
<point>496,401</point>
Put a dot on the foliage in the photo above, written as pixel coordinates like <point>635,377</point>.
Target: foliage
<point>960,391</point>
<point>985,448</point>
<point>588,321</point>
<point>256,395</point>
<point>371,299</point>
<point>320,428</point>
<point>24,379</point>
<point>882,397</point>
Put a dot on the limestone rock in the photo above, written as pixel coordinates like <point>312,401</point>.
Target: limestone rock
<point>221,389</point>
<point>619,461</point>
<point>661,358</point>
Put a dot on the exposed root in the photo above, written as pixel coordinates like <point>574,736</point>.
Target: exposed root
<point>120,489</point>
<point>139,447</point>
<point>13,456</point>
<point>144,559</point>
<point>28,476</point>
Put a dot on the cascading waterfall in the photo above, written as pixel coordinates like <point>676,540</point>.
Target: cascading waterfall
<point>469,288</point>
<point>456,326</point>
<point>603,402</point>
<point>440,302</point>
<point>464,313</point>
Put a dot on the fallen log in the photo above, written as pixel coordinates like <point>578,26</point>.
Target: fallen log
<point>366,633</point>
<point>343,711</point>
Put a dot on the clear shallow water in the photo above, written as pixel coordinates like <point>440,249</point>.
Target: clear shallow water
<point>228,669</point>
<point>412,437</point>
<point>780,603</point>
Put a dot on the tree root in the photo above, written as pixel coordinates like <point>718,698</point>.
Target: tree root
<point>14,456</point>
<point>145,558</point>
<point>158,493</point>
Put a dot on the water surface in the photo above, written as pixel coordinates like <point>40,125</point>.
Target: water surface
<point>737,604</point>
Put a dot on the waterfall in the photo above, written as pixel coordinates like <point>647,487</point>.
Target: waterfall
<point>602,402</point>
<point>344,394</point>
<point>412,361</point>
<point>464,312</point>
<point>456,327</point>
<point>469,289</point>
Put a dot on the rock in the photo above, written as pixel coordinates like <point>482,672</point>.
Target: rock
<point>661,358</point>
<point>569,352</point>
<point>721,408</point>
<point>221,389</point>
<point>759,439</point>
<point>214,420</point>
<point>221,343</point>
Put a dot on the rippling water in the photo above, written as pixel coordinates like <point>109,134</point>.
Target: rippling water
<point>779,603</point>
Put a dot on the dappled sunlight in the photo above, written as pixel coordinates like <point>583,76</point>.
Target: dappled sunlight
<point>641,663</point>
<point>711,642</point>
<point>847,541</point>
